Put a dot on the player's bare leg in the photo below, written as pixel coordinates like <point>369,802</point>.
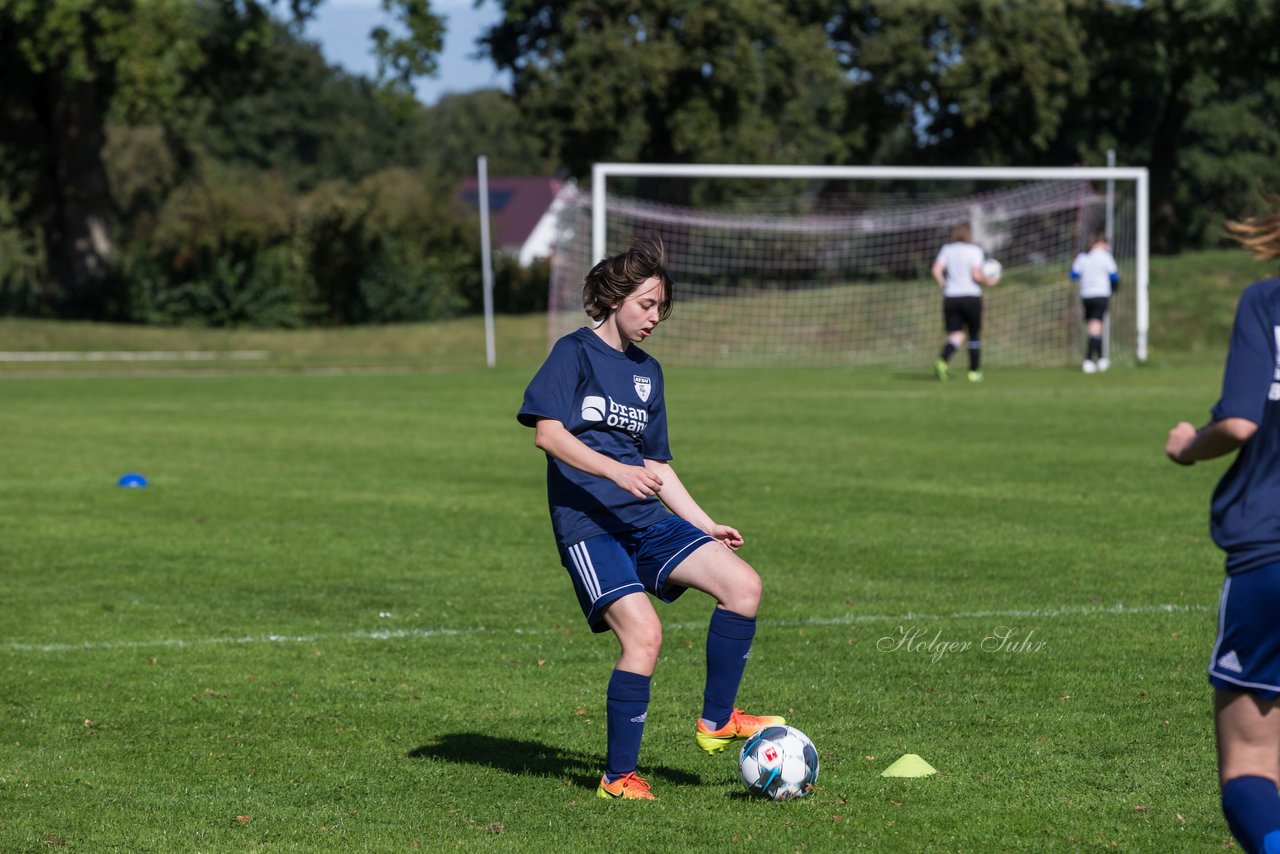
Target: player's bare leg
<point>1248,732</point>
<point>639,633</point>
<point>736,587</point>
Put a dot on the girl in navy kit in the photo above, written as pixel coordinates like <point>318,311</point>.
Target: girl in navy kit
<point>625,525</point>
<point>1244,667</point>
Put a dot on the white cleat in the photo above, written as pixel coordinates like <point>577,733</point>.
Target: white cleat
<point>1089,366</point>
<point>1103,364</point>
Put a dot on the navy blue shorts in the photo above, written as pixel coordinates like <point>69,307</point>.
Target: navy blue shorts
<point>1246,655</point>
<point>607,567</point>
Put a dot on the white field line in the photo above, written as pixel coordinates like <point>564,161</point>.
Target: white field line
<point>1117,610</point>
<point>128,355</point>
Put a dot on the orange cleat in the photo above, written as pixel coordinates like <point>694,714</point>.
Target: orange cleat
<point>627,787</point>
<point>740,726</point>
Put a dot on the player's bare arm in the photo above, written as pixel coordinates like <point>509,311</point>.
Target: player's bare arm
<point>553,438</point>
<point>1187,445</point>
<point>681,503</point>
<point>939,273</point>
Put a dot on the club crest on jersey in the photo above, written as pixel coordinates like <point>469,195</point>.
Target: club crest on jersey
<point>643,385</point>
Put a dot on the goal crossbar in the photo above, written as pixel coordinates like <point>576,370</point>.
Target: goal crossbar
<point>602,172</point>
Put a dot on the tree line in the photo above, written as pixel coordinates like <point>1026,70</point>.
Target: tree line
<point>197,161</point>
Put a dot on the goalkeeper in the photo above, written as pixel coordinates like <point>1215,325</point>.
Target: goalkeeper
<point>1099,278</point>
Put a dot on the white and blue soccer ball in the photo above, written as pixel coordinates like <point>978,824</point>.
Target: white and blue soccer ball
<point>992,270</point>
<point>779,762</point>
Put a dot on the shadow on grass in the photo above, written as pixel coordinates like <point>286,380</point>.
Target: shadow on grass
<point>520,756</point>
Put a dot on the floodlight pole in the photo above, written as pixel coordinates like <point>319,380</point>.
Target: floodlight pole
<point>486,259</point>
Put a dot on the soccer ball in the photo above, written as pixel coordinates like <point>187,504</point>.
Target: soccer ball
<point>779,762</point>
<point>991,270</point>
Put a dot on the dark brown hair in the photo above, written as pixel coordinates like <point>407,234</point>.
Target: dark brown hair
<point>1260,235</point>
<point>613,279</point>
<point>1097,237</point>
<point>961,233</point>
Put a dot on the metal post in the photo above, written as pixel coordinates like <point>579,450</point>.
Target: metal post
<point>1110,232</point>
<point>486,259</point>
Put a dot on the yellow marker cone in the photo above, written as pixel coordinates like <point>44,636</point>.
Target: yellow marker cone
<point>909,765</point>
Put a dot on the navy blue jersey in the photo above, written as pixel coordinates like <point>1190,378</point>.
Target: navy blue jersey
<point>613,402</point>
<point>1245,515</point>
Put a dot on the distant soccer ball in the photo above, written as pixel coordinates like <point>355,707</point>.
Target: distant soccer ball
<point>992,270</point>
<point>779,762</point>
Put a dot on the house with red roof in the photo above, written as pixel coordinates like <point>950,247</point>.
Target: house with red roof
<point>523,213</point>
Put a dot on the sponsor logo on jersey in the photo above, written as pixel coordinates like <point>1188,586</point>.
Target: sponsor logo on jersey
<point>592,408</point>
<point>630,418</point>
<point>644,384</point>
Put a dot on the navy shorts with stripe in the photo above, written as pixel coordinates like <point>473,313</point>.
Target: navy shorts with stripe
<point>1246,654</point>
<point>607,567</point>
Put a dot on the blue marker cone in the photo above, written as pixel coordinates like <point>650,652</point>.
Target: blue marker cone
<point>132,480</point>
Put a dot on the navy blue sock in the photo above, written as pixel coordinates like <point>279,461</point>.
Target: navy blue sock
<point>975,355</point>
<point>947,350</point>
<point>1252,808</point>
<point>626,707</point>
<point>728,646</point>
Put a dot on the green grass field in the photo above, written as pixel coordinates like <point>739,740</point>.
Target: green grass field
<point>336,621</point>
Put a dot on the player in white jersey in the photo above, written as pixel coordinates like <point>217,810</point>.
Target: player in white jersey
<point>958,272</point>
<point>1098,277</point>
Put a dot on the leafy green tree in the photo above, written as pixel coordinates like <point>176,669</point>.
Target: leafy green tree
<point>672,80</point>
<point>1188,89</point>
<point>1183,87</point>
<point>956,81</point>
<point>461,127</point>
<point>69,65</point>
<point>289,111</point>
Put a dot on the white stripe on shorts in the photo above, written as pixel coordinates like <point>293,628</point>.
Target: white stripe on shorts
<point>586,571</point>
<point>1216,671</point>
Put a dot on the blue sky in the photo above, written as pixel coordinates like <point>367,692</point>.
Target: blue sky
<point>342,29</point>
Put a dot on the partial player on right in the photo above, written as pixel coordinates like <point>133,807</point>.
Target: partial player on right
<point>1099,278</point>
<point>1244,667</point>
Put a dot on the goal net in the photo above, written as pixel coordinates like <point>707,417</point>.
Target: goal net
<point>830,265</point>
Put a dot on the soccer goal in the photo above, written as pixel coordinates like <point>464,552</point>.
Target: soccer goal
<point>813,265</point>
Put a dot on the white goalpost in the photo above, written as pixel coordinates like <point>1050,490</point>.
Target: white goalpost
<point>829,265</point>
